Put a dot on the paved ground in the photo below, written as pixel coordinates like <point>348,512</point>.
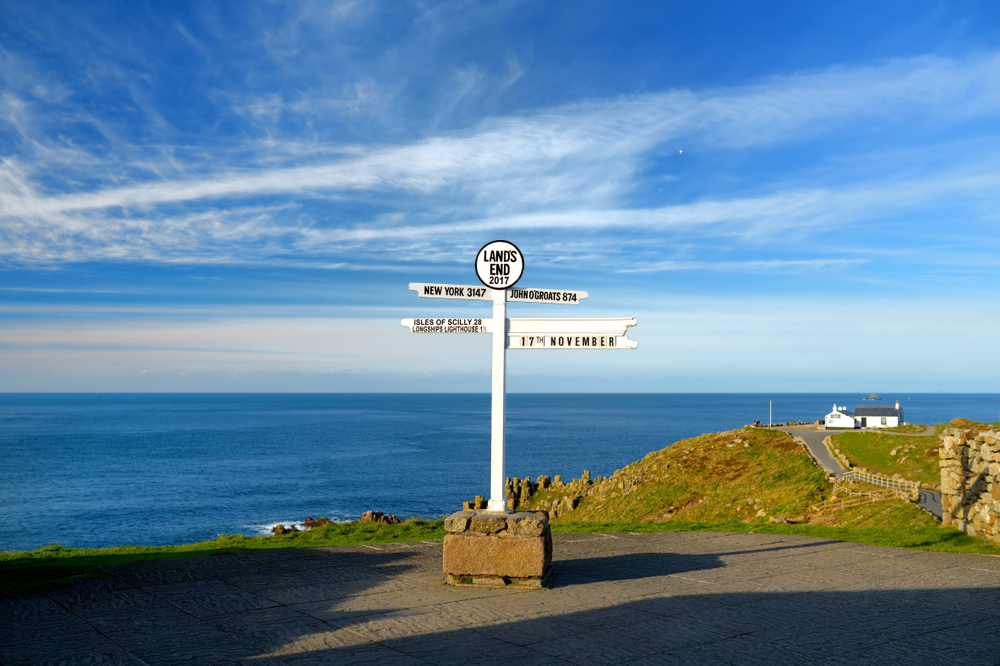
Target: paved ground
<point>687,599</point>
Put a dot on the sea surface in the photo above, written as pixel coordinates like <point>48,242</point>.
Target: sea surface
<point>91,470</point>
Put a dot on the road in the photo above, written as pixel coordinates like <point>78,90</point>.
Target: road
<point>930,500</point>
<point>814,442</point>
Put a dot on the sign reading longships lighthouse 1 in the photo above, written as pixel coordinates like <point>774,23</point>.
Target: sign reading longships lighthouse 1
<point>499,266</point>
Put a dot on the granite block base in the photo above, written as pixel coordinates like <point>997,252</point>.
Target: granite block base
<point>498,549</point>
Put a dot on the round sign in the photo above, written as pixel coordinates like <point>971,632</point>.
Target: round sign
<point>499,264</point>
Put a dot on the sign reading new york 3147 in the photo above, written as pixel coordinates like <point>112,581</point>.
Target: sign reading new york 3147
<point>499,264</point>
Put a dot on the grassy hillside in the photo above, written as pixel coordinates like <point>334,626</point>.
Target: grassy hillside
<point>746,478</point>
<point>722,476</point>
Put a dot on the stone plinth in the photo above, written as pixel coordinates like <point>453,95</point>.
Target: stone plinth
<point>498,549</point>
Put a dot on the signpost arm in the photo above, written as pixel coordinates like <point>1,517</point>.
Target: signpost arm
<point>498,425</point>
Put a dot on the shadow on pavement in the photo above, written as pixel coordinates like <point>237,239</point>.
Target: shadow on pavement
<point>361,606</point>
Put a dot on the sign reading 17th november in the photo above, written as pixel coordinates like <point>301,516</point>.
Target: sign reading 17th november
<point>499,266</point>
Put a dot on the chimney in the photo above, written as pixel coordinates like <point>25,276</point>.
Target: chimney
<point>897,405</point>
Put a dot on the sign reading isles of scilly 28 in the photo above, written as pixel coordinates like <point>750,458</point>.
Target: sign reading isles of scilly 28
<point>499,265</point>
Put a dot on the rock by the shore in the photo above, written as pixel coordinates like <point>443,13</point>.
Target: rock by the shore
<point>309,523</point>
<point>379,517</point>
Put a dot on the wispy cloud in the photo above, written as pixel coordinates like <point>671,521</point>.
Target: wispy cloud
<point>568,167</point>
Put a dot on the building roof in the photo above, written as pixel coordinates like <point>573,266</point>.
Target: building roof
<point>877,411</point>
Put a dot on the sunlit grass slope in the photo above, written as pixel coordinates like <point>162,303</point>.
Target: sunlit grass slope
<point>916,458</point>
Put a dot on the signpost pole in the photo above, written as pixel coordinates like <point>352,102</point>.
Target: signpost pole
<point>498,418</point>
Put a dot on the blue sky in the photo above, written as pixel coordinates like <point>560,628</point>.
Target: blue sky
<point>234,196</point>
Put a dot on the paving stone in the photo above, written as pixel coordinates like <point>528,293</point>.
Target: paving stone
<point>189,644</point>
<point>595,649</point>
<point>745,651</point>
<point>222,603</point>
<point>196,588</point>
<point>740,619</point>
<point>380,602</point>
<point>676,658</point>
<point>84,647</point>
<point>395,624</point>
<point>360,655</point>
<point>682,604</point>
<point>99,603</point>
<point>533,630</point>
<point>671,633</point>
<point>979,641</point>
<point>283,641</point>
<point>144,579</point>
<point>301,594</point>
<point>898,653</point>
<point>159,614</point>
<point>817,641</point>
<point>463,646</point>
<point>34,616</point>
<point>906,621</point>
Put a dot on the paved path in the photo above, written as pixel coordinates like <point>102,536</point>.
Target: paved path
<point>814,442</point>
<point>692,599</point>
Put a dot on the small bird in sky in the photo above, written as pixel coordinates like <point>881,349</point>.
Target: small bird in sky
<point>717,154</point>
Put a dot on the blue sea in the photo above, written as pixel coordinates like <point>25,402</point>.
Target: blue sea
<point>96,470</point>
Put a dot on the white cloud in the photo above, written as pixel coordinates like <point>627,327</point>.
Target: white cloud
<point>567,167</point>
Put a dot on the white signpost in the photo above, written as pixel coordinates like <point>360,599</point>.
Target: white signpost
<point>499,265</point>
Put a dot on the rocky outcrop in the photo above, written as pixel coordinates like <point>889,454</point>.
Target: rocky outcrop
<point>379,517</point>
<point>308,524</point>
<point>970,481</point>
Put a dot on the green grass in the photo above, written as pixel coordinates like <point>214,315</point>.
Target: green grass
<point>54,566</point>
<point>713,477</point>
<point>909,428</point>
<point>916,457</point>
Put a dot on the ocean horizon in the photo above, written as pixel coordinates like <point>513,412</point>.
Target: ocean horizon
<point>109,469</point>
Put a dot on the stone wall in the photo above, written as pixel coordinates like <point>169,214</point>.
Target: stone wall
<point>970,481</point>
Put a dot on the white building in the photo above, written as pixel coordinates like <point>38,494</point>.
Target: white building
<point>840,418</point>
<point>879,417</point>
<point>865,417</point>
